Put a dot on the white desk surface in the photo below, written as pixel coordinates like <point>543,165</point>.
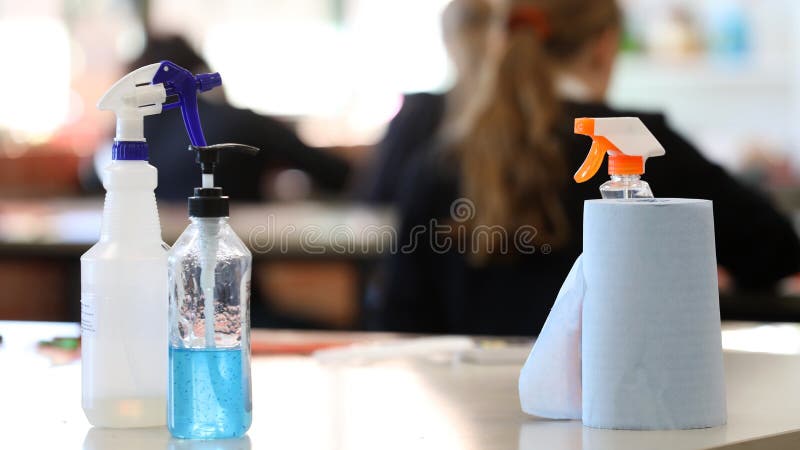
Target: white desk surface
<point>400,404</point>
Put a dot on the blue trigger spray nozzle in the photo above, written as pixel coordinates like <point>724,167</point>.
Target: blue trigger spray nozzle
<point>181,84</point>
<point>151,90</point>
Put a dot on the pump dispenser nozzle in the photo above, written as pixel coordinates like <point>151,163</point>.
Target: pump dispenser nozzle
<point>208,200</point>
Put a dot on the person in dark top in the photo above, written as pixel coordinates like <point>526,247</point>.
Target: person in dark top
<point>411,128</point>
<point>503,157</point>
<point>422,114</point>
<point>240,176</point>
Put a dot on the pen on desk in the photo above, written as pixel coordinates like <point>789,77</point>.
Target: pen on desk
<point>60,350</point>
<point>63,343</point>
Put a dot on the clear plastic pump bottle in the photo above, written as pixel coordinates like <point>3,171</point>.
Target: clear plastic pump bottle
<point>209,345</point>
<point>209,394</point>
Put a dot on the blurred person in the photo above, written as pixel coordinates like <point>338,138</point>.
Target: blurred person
<point>500,153</point>
<point>422,113</point>
<point>242,177</point>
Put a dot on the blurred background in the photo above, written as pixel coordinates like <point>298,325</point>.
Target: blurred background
<point>726,72</point>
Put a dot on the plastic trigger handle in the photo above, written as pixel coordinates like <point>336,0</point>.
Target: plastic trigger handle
<point>600,145</point>
<point>183,84</point>
<point>592,163</point>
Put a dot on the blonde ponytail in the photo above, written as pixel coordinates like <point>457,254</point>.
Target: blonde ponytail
<point>511,165</point>
<point>501,129</point>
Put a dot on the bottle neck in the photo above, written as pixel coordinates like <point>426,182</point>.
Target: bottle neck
<point>210,228</point>
<point>130,214</point>
<point>625,178</point>
<point>205,221</point>
<point>628,186</point>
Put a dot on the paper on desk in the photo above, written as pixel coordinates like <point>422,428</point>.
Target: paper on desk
<point>650,350</point>
<point>402,348</point>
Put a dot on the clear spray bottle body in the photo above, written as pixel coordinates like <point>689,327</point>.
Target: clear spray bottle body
<point>625,187</point>
<point>209,384</point>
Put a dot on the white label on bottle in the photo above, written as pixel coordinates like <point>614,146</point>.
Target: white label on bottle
<point>87,315</point>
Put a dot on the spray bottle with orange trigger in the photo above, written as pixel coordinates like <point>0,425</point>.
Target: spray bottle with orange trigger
<point>628,143</point>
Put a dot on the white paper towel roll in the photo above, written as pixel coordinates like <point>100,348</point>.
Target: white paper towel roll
<point>550,380</point>
<point>651,342</point>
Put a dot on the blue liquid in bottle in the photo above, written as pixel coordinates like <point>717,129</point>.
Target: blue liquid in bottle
<point>209,393</point>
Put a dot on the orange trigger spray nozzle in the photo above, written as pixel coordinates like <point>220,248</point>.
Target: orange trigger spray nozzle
<point>626,140</point>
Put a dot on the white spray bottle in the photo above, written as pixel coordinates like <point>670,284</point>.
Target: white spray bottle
<point>628,143</point>
<point>124,292</point>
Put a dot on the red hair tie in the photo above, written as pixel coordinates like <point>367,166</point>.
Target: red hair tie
<point>530,17</point>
